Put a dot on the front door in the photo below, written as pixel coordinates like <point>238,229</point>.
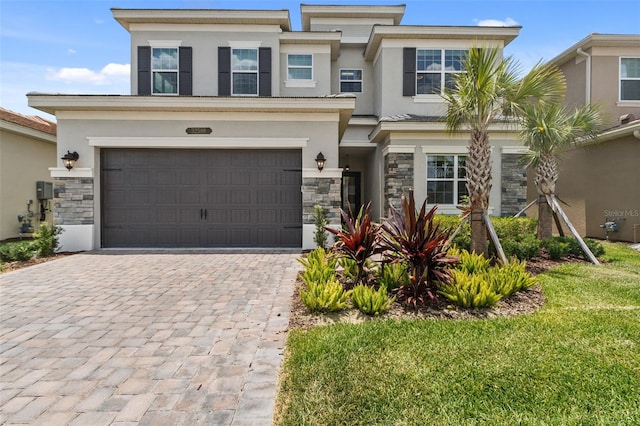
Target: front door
<point>351,192</point>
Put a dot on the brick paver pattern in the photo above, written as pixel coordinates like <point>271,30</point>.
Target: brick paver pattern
<point>156,338</point>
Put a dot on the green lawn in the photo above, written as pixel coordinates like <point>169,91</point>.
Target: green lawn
<point>574,362</point>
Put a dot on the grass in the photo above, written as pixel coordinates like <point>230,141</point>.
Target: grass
<point>574,362</point>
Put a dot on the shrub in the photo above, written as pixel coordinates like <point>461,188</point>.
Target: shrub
<point>510,278</point>
<point>414,237</point>
<point>556,248</point>
<point>358,240</point>
<point>325,296</point>
<point>523,247</point>
<point>393,275</point>
<point>462,239</point>
<point>320,221</point>
<point>476,284</point>
<point>574,247</point>
<point>469,290</point>
<point>16,251</point>
<point>370,301</point>
<point>320,266</point>
<point>470,263</point>
<point>45,240</point>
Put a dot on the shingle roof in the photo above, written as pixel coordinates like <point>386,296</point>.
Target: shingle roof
<point>413,117</point>
<point>30,121</point>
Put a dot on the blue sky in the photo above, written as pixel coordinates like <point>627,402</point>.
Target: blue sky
<point>75,46</point>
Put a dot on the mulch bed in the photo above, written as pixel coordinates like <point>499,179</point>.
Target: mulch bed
<point>523,302</point>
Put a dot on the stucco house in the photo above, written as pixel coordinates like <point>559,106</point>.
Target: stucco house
<point>600,181</point>
<point>27,150</point>
<point>230,110</point>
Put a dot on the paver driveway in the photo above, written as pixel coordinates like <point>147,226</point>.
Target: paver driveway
<point>163,338</point>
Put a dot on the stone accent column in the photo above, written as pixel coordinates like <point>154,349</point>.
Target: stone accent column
<point>514,184</point>
<point>398,178</point>
<point>322,191</point>
<point>73,201</point>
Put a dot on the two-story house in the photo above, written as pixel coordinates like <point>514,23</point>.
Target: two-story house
<point>600,180</point>
<point>236,126</point>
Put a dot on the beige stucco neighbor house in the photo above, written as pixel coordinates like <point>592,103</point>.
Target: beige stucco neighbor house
<point>600,181</point>
<point>27,150</point>
<point>229,111</point>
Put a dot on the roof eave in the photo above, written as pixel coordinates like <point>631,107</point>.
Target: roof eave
<point>414,32</point>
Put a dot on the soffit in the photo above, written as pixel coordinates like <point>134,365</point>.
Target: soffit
<point>126,17</point>
<point>413,32</point>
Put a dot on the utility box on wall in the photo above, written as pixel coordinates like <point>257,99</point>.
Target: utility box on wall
<point>44,190</point>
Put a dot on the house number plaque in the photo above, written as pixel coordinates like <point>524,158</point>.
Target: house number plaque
<point>199,130</point>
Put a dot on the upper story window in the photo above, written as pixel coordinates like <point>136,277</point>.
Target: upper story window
<point>630,79</point>
<point>435,69</point>
<point>164,69</point>
<point>299,67</point>
<point>350,81</point>
<point>446,179</point>
<point>244,71</point>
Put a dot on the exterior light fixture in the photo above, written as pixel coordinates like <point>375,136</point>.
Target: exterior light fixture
<point>320,161</point>
<point>69,159</point>
<point>346,166</point>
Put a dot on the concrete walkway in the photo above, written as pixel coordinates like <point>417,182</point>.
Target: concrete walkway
<point>161,338</point>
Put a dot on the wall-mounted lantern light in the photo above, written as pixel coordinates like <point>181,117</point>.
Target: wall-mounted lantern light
<point>69,159</point>
<point>320,161</point>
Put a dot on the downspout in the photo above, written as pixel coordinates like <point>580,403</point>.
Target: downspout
<point>587,92</point>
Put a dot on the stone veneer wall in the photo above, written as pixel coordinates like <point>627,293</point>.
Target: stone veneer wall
<point>73,201</point>
<point>398,178</point>
<point>514,184</point>
<point>322,191</point>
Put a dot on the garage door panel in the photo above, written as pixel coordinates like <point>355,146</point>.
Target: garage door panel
<point>238,196</point>
<point>238,178</point>
<point>240,216</point>
<point>215,197</point>
<point>201,198</point>
<point>167,216</point>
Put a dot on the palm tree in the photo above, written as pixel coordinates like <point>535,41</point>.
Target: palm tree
<point>488,92</point>
<point>547,131</point>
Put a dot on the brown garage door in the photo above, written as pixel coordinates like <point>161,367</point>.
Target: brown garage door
<point>201,198</point>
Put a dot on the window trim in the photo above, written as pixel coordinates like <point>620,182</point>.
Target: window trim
<point>176,71</point>
<point>456,179</point>
<point>256,71</point>
<point>442,72</point>
<point>620,79</point>
<point>361,81</point>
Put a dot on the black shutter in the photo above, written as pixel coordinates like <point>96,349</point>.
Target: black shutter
<point>264,71</point>
<point>185,81</point>
<point>408,71</point>
<point>224,71</point>
<point>144,70</point>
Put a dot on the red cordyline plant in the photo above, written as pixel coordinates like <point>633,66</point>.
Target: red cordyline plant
<point>358,240</point>
<point>413,237</point>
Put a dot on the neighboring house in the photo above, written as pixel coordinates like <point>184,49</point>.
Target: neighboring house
<point>27,150</point>
<point>229,109</point>
<point>600,181</point>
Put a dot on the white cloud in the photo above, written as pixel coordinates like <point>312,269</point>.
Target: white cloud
<point>496,22</point>
<point>106,76</point>
<point>71,51</point>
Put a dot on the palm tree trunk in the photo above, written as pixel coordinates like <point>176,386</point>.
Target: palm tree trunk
<point>545,181</point>
<point>479,185</point>
<point>545,219</point>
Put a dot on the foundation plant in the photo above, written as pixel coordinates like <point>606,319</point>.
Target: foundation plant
<point>409,259</point>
